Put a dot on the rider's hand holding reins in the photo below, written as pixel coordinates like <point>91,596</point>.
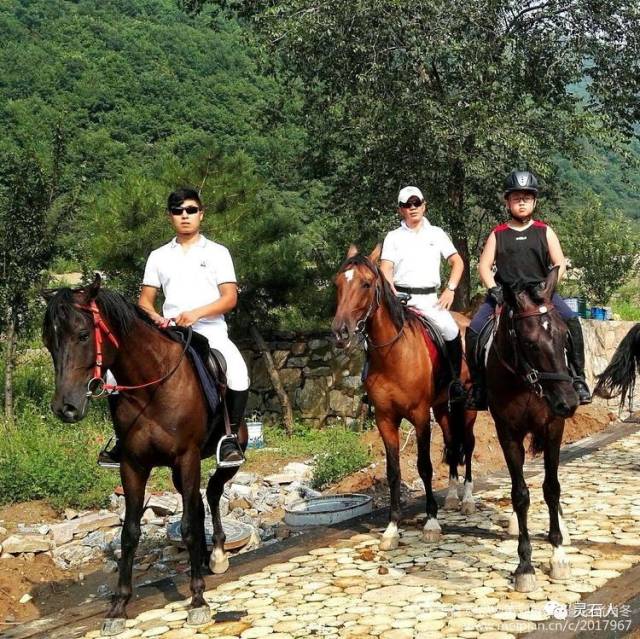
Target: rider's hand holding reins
<point>188,318</point>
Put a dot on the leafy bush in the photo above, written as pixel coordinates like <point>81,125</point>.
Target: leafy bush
<point>42,458</point>
<point>343,453</point>
<point>626,311</point>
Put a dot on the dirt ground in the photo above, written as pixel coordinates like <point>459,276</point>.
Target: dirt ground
<point>53,589</point>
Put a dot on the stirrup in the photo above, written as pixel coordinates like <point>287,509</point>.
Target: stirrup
<point>229,464</point>
<point>104,458</point>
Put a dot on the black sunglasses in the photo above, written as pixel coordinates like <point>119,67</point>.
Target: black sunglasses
<point>179,210</point>
<point>416,203</point>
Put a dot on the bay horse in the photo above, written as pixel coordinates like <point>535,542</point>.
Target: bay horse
<point>162,422</point>
<point>402,383</point>
<point>530,391</point>
<point>619,377</point>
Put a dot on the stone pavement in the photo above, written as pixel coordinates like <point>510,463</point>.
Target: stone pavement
<point>460,586</point>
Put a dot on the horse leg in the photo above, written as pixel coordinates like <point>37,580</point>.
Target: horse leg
<point>201,514</point>
<point>431,531</point>
<point>388,429</point>
<point>560,566</point>
<point>218,562</point>
<point>514,456</point>
<point>468,503</point>
<point>134,481</point>
<point>192,525</point>
<point>451,500</point>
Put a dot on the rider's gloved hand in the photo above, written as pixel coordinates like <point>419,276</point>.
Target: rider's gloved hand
<point>497,294</point>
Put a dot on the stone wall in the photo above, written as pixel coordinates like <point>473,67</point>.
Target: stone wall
<point>323,383</point>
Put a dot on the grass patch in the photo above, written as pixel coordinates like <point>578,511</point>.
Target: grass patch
<point>42,458</point>
<point>627,311</point>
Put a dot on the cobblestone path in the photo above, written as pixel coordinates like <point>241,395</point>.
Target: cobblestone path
<point>458,587</point>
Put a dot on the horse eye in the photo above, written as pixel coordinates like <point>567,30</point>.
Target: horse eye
<point>83,336</point>
<point>366,285</point>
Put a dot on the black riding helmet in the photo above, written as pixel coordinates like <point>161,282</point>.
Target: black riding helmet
<point>521,181</point>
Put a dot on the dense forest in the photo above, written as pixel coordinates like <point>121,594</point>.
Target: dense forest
<point>298,128</point>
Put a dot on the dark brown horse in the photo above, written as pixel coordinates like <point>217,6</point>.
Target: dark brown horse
<point>161,424</point>
<point>619,377</point>
<point>530,391</point>
<point>401,383</point>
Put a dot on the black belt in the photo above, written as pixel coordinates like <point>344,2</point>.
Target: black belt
<point>427,290</point>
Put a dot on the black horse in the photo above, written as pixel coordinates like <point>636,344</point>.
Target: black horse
<point>530,391</point>
<point>162,419</point>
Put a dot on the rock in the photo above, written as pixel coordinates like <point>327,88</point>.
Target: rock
<point>240,490</point>
<point>164,505</point>
<point>95,521</point>
<point>3,532</point>
<point>96,539</point>
<point>110,566</point>
<point>16,544</point>
<point>244,478</point>
<point>280,479</point>
<point>26,598</point>
<point>75,553</point>
<point>343,404</point>
<point>148,516</point>
<point>301,471</point>
<point>63,533</point>
<point>298,348</point>
<point>241,503</point>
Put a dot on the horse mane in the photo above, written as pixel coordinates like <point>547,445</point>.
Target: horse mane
<point>397,311</point>
<point>118,313</point>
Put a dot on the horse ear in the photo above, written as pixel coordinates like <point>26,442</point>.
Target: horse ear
<point>549,287</point>
<point>353,250</point>
<point>375,254</point>
<point>48,293</point>
<point>94,287</point>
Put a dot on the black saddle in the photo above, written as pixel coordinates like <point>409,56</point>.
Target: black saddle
<point>479,356</point>
<point>212,358</point>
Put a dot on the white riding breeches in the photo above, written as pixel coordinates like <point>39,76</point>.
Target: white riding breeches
<point>237,373</point>
<point>426,304</point>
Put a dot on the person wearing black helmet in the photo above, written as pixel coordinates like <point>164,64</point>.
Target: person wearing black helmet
<point>523,250</point>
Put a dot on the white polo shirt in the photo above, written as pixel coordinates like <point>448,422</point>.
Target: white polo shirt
<point>416,255</point>
<point>190,279</point>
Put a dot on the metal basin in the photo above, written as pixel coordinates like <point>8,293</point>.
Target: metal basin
<point>327,510</point>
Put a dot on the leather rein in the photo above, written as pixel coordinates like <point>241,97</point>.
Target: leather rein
<point>361,324</point>
<point>530,375</point>
<point>97,386</point>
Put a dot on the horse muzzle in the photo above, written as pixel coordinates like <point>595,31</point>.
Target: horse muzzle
<point>69,411</point>
<point>341,334</point>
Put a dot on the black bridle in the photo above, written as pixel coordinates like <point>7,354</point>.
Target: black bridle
<point>374,305</point>
<point>522,368</point>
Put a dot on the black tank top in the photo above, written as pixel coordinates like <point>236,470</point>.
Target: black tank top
<point>522,257</point>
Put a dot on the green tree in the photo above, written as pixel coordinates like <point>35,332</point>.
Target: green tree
<point>29,202</point>
<point>603,249</point>
<point>452,95</point>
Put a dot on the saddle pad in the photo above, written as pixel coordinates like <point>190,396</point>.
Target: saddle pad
<point>432,338</point>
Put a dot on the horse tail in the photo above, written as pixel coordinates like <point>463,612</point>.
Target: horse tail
<point>619,377</point>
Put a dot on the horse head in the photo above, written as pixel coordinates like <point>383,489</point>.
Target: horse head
<point>358,294</point>
<point>68,334</point>
<point>538,338</point>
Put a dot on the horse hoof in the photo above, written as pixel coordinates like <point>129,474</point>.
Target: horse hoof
<point>220,566</point>
<point>113,626</point>
<point>451,503</point>
<point>468,507</point>
<point>560,570</point>
<point>389,543</point>
<point>199,616</point>
<point>525,583</point>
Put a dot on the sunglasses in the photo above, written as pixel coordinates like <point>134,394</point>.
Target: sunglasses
<point>179,210</point>
<point>411,203</point>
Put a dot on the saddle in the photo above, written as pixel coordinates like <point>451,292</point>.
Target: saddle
<point>479,356</point>
<point>209,364</point>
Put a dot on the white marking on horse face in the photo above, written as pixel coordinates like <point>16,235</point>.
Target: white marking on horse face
<point>348,275</point>
<point>545,325</point>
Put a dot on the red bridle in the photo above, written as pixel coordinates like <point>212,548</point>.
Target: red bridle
<point>97,387</point>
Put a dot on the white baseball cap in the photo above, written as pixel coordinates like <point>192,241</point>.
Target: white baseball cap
<point>409,191</point>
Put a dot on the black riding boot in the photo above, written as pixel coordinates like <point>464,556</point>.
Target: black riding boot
<point>478,397</point>
<point>576,360</point>
<point>230,453</point>
<point>110,458</point>
<point>454,355</point>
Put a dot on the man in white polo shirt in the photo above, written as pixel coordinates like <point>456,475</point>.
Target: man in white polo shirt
<point>199,285</point>
<point>410,260</point>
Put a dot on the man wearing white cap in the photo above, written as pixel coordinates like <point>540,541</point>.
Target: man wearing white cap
<point>410,261</point>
